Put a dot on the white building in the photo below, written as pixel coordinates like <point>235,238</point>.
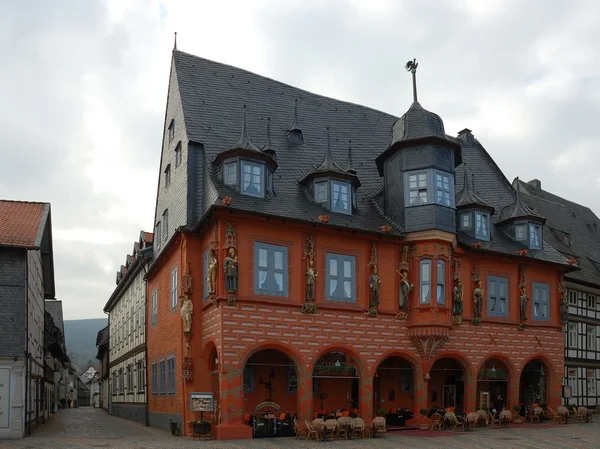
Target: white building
<point>26,280</point>
<point>127,335</point>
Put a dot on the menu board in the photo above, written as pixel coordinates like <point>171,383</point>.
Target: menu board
<point>201,402</point>
<point>4,397</point>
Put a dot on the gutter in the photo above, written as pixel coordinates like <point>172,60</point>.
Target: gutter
<point>109,395</point>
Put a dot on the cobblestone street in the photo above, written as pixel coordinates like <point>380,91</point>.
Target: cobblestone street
<point>93,428</point>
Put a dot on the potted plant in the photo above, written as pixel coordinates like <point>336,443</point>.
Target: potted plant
<point>382,412</point>
<point>423,425</point>
<point>518,419</point>
<point>201,426</point>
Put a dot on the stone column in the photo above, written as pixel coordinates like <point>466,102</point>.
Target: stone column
<point>231,406</point>
<point>305,394</point>
<point>366,398</point>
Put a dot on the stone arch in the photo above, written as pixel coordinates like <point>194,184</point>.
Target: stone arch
<point>397,353</point>
<point>451,381</point>
<point>356,357</point>
<point>488,385</point>
<point>286,349</point>
<point>545,381</point>
<point>207,350</point>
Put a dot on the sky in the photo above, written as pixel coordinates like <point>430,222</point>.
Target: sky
<point>83,90</point>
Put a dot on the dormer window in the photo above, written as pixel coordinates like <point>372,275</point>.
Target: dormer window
<point>429,186</point>
<point>340,197</point>
<point>253,181</point>
<point>230,173</point>
<point>482,225</point>
<point>465,221</point>
<point>529,233</point>
<point>321,191</point>
<point>534,236</point>
<point>521,232</point>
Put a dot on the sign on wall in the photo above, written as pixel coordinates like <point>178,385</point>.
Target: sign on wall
<point>201,402</point>
<point>4,397</point>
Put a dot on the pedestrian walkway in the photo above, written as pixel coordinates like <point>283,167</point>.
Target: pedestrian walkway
<point>87,428</point>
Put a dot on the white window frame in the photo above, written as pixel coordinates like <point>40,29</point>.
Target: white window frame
<point>441,282</point>
<point>518,236</point>
<point>425,284</point>
<point>443,192</point>
<point>230,173</point>
<point>535,236</point>
<point>417,187</point>
<point>591,337</point>
<point>572,335</point>
<point>466,225</point>
<point>480,218</point>
<point>336,195</point>
<point>340,277</point>
<point>591,382</point>
<point>252,182</point>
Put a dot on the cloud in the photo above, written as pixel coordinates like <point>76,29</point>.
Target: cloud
<point>85,87</point>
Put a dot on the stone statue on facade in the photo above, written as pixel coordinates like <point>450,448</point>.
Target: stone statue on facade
<point>211,279</point>
<point>477,300</point>
<point>230,265</point>
<point>187,309</point>
<point>457,303</point>
<point>311,279</point>
<point>404,290</point>
<point>564,311</point>
<point>374,283</point>
<point>524,299</point>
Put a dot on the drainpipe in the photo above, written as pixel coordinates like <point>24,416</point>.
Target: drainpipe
<point>145,261</point>
<point>109,393</point>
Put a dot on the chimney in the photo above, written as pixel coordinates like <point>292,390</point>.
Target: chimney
<point>467,138</point>
<point>536,184</point>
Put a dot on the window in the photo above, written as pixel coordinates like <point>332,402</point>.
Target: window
<point>154,378</point>
<point>591,337</point>
<point>572,380</point>
<point>178,155</point>
<point>130,378</point>
<point>341,278</point>
<point>253,183</point>
<point>174,280</point>
<point>573,297</point>
<point>591,382</point>
<point>591,301</point>
<point>157,234</point>
<point>520,232</point>
<point>171,131</point>
<point>171,374</point>
<point>441,280</point>
<point>165,224</point>
<point>425,282</point>
<point>168,176</point>
<point>162,378</point>
<point>572,343</point>
<point>271,273</point>
<point>482,225</point>
<point>541,301</point>
<point>442,189</point>
<point>115,385</point>
<point>292,383</point>
<point>121,381</point>
<point>205,276</point>
<point>417,189</point>
<point>230,173</point>
<point>497,296</point>
<point>154,306</point>
<point>321,191</point>
<point>141,376</point>
<point>340,197</point>
<point>248,379</point>
<point>465,221</point>
<point>534,236</point>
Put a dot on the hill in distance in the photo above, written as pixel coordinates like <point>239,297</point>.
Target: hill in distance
<point>80,338</point>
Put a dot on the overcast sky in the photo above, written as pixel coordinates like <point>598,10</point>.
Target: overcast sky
<point>83,88</point>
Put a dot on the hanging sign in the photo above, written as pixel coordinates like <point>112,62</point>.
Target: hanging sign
<point>201,402</point>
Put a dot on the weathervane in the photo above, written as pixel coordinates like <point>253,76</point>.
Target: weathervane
<point>411,66</point>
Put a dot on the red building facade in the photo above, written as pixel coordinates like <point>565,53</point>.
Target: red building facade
<point>323,289</point>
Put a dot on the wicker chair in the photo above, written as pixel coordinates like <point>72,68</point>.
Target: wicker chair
<point>301,432</point>
<point>436,423</point>
<point>379,426</point>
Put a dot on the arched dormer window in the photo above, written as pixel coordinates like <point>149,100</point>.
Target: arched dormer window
<point>333,186</point>
<point>247,168</point>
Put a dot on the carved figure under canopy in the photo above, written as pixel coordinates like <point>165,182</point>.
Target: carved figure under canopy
<point>213,264</point>
<point>404,290</point>
<point>477,299</point>
<point>457,303</point>
<point>374,283</point>
<point>311,279</point>
<point>523,303</point>
<point>231,271</point>
<point>564,311</point>
<point>187,309</point>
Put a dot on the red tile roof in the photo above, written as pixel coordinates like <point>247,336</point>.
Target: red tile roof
<point>20,222</point>
<point>148,236</point>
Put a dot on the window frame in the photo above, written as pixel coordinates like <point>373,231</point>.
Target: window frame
<point>165,221</point>
<point>174,287</point>
<point>486,216</point>
<point>497,296</point>
<point>141,376</point>
<point>339,183</point>
<point>591,382</point>
<point>171,378</point>
<point>167,176</point>
<point>325,192</point>
<point>449,191</point>
<point>461,218</point>
<point>171,130</point>
<point>226,175</point>
<point>154,307</point>
<point>154,378</point>
<point>417,189</point>
<point>253,164</point>
<point>442,284</point>
<point>270,268</point>
<point>593,336</point>
<point>162,377</point>
<point>431,188</point>
<point>422,264</point>
<point>340,259</point>
<point>525,235</point>
<point>539,288</point>
<point>532,228</point>
<point>178,155</point>
<point>572,334</point>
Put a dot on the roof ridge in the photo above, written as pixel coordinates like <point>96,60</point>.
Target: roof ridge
<point>300,90</point>
<point>24,202</point>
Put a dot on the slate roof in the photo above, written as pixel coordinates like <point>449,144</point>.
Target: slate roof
<point>569,228</point>
<point>467,196</point>
<point>212,92</point>
<point>22,223</point>
<point>55,309</point>
<point>519,209</point>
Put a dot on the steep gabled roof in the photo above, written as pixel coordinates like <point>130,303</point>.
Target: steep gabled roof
<point>22,223</point>
<point>468,198</point>
<point>564,217</point>
<point>519,210</point>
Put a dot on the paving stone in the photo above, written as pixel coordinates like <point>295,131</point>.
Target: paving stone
<point>93,428</point>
